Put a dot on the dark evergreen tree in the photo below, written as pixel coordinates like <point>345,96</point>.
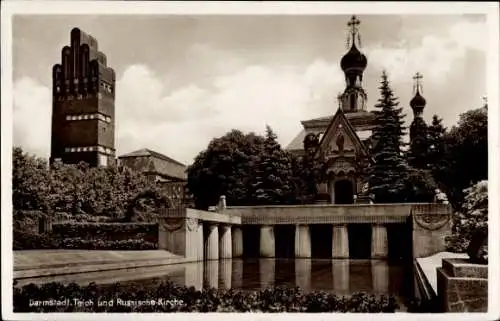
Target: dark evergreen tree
<point>273,182</point>
<point>418,153</point>
<point>436,137</point>
<point>387,176</point>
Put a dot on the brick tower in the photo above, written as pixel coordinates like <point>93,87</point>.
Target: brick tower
<point>83,104</point>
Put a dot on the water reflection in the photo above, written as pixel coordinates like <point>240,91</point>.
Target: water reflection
<point>338,276</point>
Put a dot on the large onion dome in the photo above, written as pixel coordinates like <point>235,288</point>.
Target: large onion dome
<point>417,101</point>
<point>353,60</point>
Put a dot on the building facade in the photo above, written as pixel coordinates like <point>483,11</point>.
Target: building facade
<point>342,140</point>
<point>169,174</point>
<point>83,108</point>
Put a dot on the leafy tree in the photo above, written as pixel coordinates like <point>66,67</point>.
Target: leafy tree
<point>472,216</point>
<point>75,189</point>
<point>420,186</point>
<point>387,176</point>
<point>30,181</point>
<point>226,167</point>
<point>465,158</point>
<point>273,178</point>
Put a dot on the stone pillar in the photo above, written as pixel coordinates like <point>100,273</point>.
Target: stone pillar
<point>380,276</point>
<point>212,243</point>
<point>267,272</point>
<point>302,241</point>
<point>200,245</point>
<point>225,269</point>
<point>211,274</point>
<point>267,247</point>
<point>192,235</point>
<point>340,270</point>
<point>303,274</point>
<point>237,235</point>
<point>379,241</point>
<point>340,242</point>
<point>225,245</point>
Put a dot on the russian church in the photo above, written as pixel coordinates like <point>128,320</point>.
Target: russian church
<point>342,141</point>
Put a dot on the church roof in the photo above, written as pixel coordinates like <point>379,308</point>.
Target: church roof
<point>148,152</point>
<point>340,116</point>
<point>149,161</point>
<point>320,124</point>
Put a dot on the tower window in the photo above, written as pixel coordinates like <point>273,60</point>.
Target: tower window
<point>353,102</point>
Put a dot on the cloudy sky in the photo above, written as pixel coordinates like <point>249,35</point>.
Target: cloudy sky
<point>182,80</point>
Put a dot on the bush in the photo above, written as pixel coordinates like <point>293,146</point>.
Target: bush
<point>90,236</point>
<point>107,231</point>
<point>89,244</point>
<point>472,217</point>
<point>184,299</point>
<point>33,241</point>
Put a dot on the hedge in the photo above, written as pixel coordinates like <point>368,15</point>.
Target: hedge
<point>90,236</point>
<point>171,298</point>
<point>107,231</point>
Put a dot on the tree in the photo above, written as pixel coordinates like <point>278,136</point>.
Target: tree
<point>387,176</point>
<point>472,216</point>
<point>74,189</point>
<point>226,167</point>
<point>273,177</point>
<point>436,136</point>
<point>465,157</point>
<point>30,181</point>
<point>418,154</point>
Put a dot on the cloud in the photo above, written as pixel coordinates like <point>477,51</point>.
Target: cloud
<point>182,122</point>
<point>32,116</point>
<point>434,56</point>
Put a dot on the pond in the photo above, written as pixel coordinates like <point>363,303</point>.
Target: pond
<point>342,277</point>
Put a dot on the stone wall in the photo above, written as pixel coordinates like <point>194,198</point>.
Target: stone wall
<point>431,224</point>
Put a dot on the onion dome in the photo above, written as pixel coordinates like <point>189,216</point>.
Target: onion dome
<point>417,101</point>
<point>353,59</point>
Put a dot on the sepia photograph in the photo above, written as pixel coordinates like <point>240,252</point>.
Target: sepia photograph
<point>249,158</point>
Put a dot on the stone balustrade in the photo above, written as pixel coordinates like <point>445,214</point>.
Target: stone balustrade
<point>200,235</point>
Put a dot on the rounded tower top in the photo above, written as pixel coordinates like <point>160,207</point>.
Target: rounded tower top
<point>353,59</point>
<point>418,102</point>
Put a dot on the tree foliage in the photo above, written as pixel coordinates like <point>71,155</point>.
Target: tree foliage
<point>273,182</point>
<point>387,175</point>
<point>75,189</point>
<point>226,167</point>
<point>473,216</point>
<point>465,155</point>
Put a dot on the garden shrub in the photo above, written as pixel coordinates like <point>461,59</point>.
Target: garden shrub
<point>107,231</point>
<point>472,217</point>
<point>187,299</point>
<point>90,236</point>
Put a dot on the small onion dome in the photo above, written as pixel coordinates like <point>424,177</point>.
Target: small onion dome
<point>417,101</point>
<point>353,59</point>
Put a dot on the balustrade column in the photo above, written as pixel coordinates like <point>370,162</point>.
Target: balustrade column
<point>200,243</point>
<point>225,246</point>
<point>267,241</point>
<point>237,235</point>
<point>302,241</point>
<point>379,241</point>
<point>340,242</point>
<point>212,244</point>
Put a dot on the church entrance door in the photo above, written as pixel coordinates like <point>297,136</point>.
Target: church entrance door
<point>344,192</point>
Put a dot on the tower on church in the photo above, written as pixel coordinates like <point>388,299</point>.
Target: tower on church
<point>83,104</point>
<point>353,63</point>
<point>418,127</point>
